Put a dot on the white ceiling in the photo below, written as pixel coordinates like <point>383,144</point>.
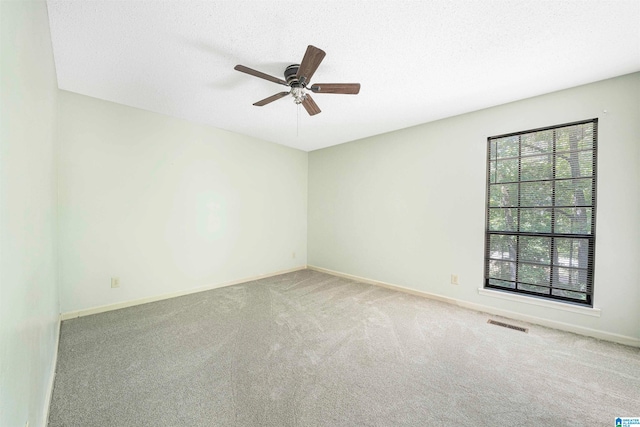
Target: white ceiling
<point>417,61</point>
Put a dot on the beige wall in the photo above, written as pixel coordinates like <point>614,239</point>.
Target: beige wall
<point>408,207</point>
<point>169,206</point>
<point>29,303</point>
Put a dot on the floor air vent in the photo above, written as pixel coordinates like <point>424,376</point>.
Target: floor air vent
<point>506,325</point>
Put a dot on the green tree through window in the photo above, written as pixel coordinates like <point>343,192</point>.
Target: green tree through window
<point>540,225</point>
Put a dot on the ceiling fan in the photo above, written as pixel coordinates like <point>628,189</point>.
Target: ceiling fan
<point>297,77</point>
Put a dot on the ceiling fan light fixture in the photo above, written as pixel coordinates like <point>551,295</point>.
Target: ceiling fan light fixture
<point>298,94</point>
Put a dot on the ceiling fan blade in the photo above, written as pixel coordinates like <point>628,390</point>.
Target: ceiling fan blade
<point>262,75</point>
<point>271,99</point>
<point>344,88</point>
<point>310,63</point>
<point>310,105</point>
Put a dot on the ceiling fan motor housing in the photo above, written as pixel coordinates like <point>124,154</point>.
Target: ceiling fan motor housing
<point>290,75</point>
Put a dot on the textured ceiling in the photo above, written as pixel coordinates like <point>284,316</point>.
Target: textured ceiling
<point>417,61</point>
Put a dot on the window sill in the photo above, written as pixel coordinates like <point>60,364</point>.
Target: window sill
<point>589,311</point>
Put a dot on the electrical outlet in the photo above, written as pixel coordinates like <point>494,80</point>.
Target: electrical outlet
<point>115,282</point>
<point>27,424</point>
<point>293,254</point>
<point>454,279</point>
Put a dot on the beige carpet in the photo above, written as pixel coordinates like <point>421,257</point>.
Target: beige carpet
<point>310,349</point>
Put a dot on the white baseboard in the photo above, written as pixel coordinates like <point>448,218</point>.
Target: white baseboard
<point>124,304</point>
<point>52,377</point>
<point>581,330</point>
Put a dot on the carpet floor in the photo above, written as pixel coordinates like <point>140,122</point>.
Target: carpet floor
<point>311,349</point>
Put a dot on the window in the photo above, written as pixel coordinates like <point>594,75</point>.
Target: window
<point>541,200</point>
